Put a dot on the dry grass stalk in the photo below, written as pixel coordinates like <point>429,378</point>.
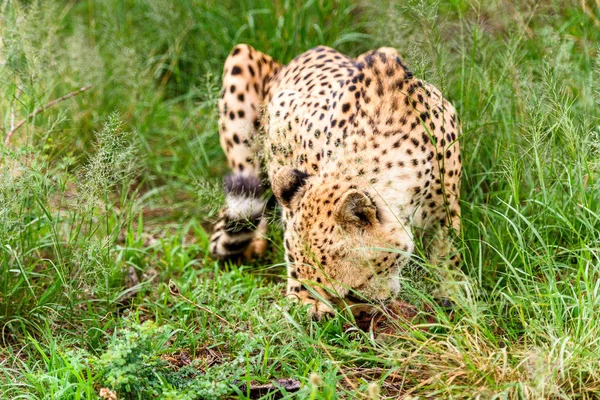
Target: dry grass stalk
<point>38,110</point>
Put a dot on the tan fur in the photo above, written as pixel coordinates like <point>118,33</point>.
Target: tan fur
<point>361,155</point>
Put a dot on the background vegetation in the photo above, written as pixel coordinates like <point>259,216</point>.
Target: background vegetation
<point>106,200</point>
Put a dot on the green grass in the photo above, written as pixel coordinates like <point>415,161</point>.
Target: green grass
<point>106,199</point>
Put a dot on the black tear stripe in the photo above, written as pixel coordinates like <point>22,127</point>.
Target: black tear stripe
<point>299,179</point>
<point>244,185</point>
<point>237,247</point>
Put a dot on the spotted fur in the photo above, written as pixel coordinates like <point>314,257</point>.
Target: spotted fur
<point>360,154</point>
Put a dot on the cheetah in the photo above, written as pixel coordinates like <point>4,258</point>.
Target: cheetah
<point>361,156</point>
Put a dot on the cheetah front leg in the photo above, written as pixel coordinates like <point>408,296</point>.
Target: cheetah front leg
<point>241,227</point>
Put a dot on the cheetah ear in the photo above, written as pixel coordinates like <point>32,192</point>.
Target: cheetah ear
<point>356,208</point>
<point>286,183</point>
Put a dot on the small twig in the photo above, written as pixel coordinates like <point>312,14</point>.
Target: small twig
<point>40,109</point>
<point>175,291</point>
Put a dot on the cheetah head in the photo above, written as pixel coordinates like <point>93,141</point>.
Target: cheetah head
<point>342,246</point>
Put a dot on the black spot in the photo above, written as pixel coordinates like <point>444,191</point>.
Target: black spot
<point>236,70</point>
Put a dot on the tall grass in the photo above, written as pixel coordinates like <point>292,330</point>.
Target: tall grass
<point>105,198</point>
<point>155,62</point>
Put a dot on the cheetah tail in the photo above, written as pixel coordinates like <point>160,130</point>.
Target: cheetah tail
<point>240,217</point>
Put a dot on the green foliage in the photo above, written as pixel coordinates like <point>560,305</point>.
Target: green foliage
<point>185,40</point>
<point>112,162</point>
<point>58,228</point>
<point>133,368</point>
<point>107,196</point>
